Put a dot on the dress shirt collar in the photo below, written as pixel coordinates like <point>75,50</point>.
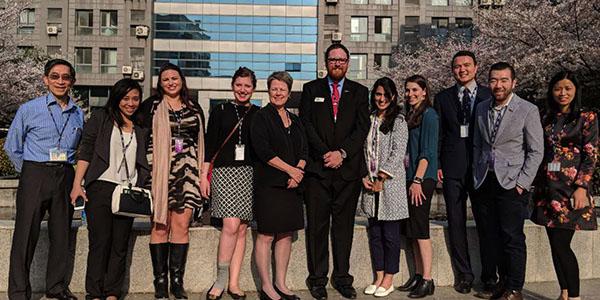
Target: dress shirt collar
<point>51,100</point>
<point>499,107</point>
<point>340,82</point>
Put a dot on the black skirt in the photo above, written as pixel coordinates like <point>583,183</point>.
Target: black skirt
<point>278,209</point>
<point>417,224</point>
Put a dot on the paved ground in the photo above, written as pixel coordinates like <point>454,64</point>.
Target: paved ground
<point>590,290</point>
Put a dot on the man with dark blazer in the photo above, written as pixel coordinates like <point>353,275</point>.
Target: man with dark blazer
<point>335,113</point>
<point>455,106</point>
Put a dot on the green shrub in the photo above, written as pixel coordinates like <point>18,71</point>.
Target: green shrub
<point>6,166</point>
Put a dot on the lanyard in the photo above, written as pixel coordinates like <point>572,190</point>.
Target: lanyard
<point>496,122</point>
<point>177,115</point>
<point>59,131</point>
<point>124,161</point>
<point>240,121</point>
<point>374,146</point>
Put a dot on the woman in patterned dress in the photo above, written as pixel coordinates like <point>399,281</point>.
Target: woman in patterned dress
<point>231,184</point>
<point>177,149</point>
<point>383,198</point>
<point>562,200</point>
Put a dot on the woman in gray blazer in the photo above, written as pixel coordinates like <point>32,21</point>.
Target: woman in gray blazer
<point>383,198</point>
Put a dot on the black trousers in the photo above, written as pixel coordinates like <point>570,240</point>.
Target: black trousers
<point>501,218</point>
<point>330,205</point>
<point>455,196</point>
<point>384,244</point>
<point>565,261</point>
<point>108,236</point>
<point>42,187</point>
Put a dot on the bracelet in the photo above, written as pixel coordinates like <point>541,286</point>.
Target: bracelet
<point>418,180</point>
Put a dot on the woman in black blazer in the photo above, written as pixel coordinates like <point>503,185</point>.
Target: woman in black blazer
<point>110,132</point>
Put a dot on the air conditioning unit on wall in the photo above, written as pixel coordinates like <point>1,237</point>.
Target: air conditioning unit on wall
<point>331,2</point>
<point>52,30</point>
<point>127,70</point>
<point>321,73</point>
<point>336,37</point>
<point>141,31</point>
<point>138,75</point>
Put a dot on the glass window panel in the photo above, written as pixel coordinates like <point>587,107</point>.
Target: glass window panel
<point>358,66</point>
<point>26,21</point>
<point>108,61</point>
<point>382,60</point>
<point>382,2</point>
<point>54,14</point>
<point>138,15</point>
<point>358,29</point>
<point>331,20</point>
<point>54,51</point>
<point>413,2</point>
<point>360,2</point>
<point>383,29</point>
<point>439,2</point>
<point>83,60</point>
<point>108,22</point>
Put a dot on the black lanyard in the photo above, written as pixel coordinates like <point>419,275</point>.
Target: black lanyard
<point>496,122</point>
<point>59,131</point>
<point>124,153</point>
<point>240,120</point>
<point>177,115</point>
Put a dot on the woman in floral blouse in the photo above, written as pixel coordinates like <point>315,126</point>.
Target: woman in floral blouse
<point>562,201</point>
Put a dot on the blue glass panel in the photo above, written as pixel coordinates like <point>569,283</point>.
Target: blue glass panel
<point>227,28</point>
<point>278,20</point>
<point>261,20</point>
<point>244,56</point>
<point>309,30</point>
<point>243,20</point>
<point>260,57</point>
<point>309,21</point>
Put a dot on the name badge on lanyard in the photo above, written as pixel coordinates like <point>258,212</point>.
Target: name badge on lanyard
<point>239,152</point>
<point>464,131</point>
<point>554,167</point>
<point>58,155</point>
<point>178,145</point>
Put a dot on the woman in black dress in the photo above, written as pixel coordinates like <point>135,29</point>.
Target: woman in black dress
<point>231,186</point>
<point>281,147</point>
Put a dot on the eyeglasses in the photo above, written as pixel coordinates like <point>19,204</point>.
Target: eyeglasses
<point>55,77</point>
<point>335,60</point>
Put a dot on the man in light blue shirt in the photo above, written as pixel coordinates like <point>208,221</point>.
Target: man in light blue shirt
<point>41,143</point>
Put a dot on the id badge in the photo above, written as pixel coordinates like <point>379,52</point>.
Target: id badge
<point>554,167</point>
<point>57,154</point>
<point>178,145</point>
<point>239,152</point>
<point>464,131</point>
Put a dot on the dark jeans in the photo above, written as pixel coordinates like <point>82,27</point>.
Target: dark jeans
<point>42,188</point>
<point>108,236</point>
<point>501,218</point>
<point>565,261</point>
<point>384,243</point>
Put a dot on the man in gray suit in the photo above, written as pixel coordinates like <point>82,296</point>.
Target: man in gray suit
<point>508,148</point>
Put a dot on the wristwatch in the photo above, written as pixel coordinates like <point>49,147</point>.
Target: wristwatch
<point>343,153</point>
<point>418,180</point>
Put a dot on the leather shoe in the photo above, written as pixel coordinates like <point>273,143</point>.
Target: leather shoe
<point>347,291</point>
<point>411,284</point>
<point>512,295</point>
<point>425,288</point>
<point>318,292</point>
<point>63,295</point>
<point>463,287</point>
<point>489,289</point>
<point>285,296</point>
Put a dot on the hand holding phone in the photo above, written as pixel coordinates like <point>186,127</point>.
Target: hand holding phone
<point>79,203</point>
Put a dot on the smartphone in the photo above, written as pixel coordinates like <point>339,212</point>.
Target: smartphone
<point>79,203</point>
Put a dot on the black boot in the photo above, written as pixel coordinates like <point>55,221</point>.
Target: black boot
<point>160,258</point>
<point>177,259</point>
<point>411,284</point>
<point>426,288</point>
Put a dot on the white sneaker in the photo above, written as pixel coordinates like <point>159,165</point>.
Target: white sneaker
<point>370,290</point>
<point>382,292</point>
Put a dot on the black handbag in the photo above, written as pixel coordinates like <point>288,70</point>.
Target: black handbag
<point>128,200</point>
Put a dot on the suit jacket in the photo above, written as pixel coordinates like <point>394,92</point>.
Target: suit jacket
<point>455,153</point>
<point>518,148</point>
<point>348,132</point>
<point>95,147</point>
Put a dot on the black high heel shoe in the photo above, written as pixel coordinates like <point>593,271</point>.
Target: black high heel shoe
<point>235,296</point>
<point>411,283</point>
<point>426,288</point>
<point>284,295</point>
<point>264,296</point>
<point>213,297</point>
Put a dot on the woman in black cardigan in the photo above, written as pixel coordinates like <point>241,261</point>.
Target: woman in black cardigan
<point>110,132</point>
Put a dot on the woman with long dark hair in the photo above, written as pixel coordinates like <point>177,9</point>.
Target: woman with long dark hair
<point>177,147</point>
<point>421,176</point>
<point>563,203</point>
<point>112,151</point>
<point>231,186</point>
<point>383,198</point>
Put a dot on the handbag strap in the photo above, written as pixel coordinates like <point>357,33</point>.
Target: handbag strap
<point>212,161</point>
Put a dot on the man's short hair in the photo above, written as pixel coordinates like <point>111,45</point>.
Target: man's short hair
<point>502,66</point>
<point>336,46</point>
<point>57,61</point>
<point>463,53</point>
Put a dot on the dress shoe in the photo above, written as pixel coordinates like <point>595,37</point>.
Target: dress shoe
<point>214,297</point>
<point>347,291</point>
<point>235,296</point>
<point>489,287</point>
<point>62,295</point>
<point>318,292</point>
<point>284,295</point>
<point>425,288</point>
<point>512,295</point>
<point>411,284</point>
<point>463,287</point>
<point>370,289</point>
<point>264,296</point>
<point>382,292</point>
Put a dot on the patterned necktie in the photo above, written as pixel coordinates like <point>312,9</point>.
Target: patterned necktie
<point>335,99</point>
<point>466,106</point>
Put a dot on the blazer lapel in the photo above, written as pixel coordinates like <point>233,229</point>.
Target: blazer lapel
<point>103,139</point>
<point>508,115</point>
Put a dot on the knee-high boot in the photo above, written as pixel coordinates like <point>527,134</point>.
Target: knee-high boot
<point>177,260</point>
<point>160,259</point>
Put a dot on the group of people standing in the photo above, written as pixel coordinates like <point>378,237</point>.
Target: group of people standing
<point>347,152</point>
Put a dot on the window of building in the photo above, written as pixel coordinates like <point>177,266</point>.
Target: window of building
<point>331,20</point>
<point>26,21</point>
<point>84,22</point>
<point>137,57</point>
<point>54,14</point>
<point>138,16</point>
<point>439,26</point>
<point>464,26</point>
<point>439,2</point>
<point>382,60</point>
<point>463,2</point>
<point>293,67</point>
<point>358,66</point>
<point>411,28</point>
<point>54,51</point>
<point>358,29</point>
<point>383,29</point>
<point>108,22</point>
<point>360,2</point>
<point>413,2</point>
<point>83,60</point>
<point>108,61</point>
<point>382,2</point>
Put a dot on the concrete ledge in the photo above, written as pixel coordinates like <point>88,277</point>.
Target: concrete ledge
<point>201,267</point>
